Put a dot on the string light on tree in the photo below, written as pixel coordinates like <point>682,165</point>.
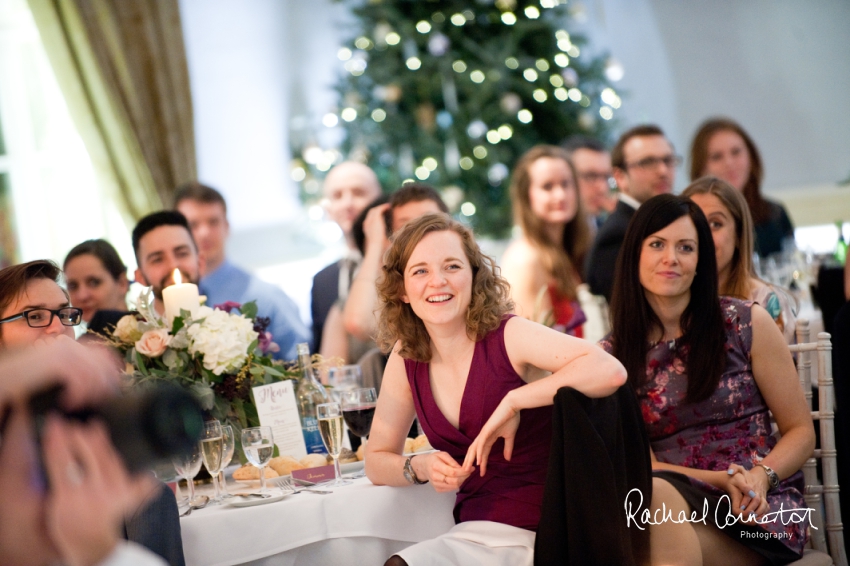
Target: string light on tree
<point>452,92</point>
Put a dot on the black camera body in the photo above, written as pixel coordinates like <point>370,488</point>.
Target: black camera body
<point>146,426</point>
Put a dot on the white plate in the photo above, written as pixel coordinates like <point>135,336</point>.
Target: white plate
<point>351,467</point>
<point>256,483</point>
<point>277,495</point>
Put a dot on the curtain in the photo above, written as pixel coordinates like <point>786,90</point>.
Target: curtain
<point>121,65</point>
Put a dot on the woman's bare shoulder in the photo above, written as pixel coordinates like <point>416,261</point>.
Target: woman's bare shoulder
<point>520,253</point>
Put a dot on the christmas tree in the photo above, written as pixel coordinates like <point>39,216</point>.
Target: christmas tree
<point>452,92</point>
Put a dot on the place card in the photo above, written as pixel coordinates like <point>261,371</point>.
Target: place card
<point>277,408</point>
<point>315,475</point>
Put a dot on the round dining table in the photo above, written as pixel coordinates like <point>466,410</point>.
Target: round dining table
<point>356,524</point>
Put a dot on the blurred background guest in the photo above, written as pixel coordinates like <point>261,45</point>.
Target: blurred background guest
<point>349,188</point>
<point>592,164</point>
<point>709,373</point>
<point>460,363</point>
<point>96,279</point>
<point>644,166</point>
<point>222,281</point>
<point>732,230</point>
<point>410,201</point>
<point>541,265</point>
<point>336,341</point>
<point>723,149</point>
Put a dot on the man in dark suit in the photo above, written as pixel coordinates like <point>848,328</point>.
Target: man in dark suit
<point>644,166</point>
<point>348,188</point>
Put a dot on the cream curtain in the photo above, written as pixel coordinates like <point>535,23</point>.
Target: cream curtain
<point>121,65</point>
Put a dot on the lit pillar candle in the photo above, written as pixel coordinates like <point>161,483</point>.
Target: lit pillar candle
<point>180,296</point>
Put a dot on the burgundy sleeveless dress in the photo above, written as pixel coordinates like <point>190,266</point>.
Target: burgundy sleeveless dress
<point>510,492</point>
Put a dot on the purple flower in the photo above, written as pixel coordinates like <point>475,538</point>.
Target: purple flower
<point>265,343</point>
<point>228,306</point>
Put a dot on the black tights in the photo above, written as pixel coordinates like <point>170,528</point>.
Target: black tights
<point>395,560</point>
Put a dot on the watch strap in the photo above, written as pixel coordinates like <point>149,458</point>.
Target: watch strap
<point>410,474</point>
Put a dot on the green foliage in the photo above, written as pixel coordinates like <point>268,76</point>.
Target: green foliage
<point>449,104</point>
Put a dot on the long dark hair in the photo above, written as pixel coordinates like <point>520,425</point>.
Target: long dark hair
<point>703,334</point>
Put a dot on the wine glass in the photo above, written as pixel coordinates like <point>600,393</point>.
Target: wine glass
<point>187,467</point>
<point>226,457</point>
<point>258,445</point>
<point>344,378</point>
<point>358,410</point>
<point>212,450</point>
<point>329,416</point>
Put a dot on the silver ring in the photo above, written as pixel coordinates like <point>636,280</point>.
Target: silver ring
<point>74,474</point>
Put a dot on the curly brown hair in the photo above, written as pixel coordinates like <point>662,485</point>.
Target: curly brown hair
<point>397,322</point>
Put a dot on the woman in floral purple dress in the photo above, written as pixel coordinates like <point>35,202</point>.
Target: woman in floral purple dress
<point>707,371</point>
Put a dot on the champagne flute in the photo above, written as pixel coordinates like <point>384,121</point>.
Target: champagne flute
<point>358,410</point>
<point>258,445</point>
<point>329,416</point>
<point>187,467</point>
<point>226,457</point>
<point>212,450</point>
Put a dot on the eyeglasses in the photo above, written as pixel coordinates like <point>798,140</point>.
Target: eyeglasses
<point>594,177</point>
<point>648,163</point>
<point>40,318</point>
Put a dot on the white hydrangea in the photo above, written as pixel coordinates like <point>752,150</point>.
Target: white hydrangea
<point>222,339</point>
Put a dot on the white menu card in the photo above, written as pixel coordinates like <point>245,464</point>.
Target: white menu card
<point>277,408</point>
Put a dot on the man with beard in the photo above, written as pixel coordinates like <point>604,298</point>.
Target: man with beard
<point>163,242</point>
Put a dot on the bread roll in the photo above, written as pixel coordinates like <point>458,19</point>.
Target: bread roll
<point>248,472</point>
<point>284,465</point>
<point>314,460</point>
<point>408,446</point>
<point>361,453</point>
<point>347,456</point>
<point>421,444</point>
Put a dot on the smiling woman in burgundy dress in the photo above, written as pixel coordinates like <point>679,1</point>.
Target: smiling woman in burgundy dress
<point>461,364</point>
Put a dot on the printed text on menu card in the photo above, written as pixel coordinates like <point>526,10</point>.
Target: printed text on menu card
<point>277,408</point>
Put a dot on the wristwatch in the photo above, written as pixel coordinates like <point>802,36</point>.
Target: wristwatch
<point>772,477</point>
<point>409,474</point>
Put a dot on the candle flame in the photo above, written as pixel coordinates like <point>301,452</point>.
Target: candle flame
<point>178,279</point>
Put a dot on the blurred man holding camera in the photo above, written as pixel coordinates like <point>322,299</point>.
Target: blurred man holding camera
<point>66,494</point>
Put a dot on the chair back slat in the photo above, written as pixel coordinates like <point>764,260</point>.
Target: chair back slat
<point>827,534</point>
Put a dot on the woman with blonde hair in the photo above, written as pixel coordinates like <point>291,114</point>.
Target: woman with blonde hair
<point>732,230</point>
<point>541,264</point>
<point>459,363</point>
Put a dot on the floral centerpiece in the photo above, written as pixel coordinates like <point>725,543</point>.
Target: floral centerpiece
<point>218,355</point>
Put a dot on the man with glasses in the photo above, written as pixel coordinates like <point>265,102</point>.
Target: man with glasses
<point>592,165</point>
<point>644,165</point>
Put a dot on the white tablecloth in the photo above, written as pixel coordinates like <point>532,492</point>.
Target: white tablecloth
<point>357,524</point>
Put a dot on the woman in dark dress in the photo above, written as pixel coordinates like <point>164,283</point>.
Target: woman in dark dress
<point>708,372</point>
<point>461,363</point>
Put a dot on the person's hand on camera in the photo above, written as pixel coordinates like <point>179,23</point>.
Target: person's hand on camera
<point>90,491</point>
<point>89,372</point>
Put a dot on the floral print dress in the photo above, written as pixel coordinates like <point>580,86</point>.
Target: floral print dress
<point>730,427</point>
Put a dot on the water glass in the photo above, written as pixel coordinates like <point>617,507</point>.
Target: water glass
<point>258,446</point>
<point>187,467</point>
<point>344,378</point>
<point>329,416</point>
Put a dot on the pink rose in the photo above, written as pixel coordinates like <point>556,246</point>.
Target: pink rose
<point>153,343</point>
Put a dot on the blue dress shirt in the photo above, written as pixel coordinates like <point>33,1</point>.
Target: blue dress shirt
<point>230,283</point>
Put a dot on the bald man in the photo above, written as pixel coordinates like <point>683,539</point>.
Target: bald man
<point>348,188</point>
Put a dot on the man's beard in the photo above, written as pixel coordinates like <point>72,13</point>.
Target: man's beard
<point>168,281</point>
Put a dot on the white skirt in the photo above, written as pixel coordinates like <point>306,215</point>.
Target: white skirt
<point>474,543</point>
